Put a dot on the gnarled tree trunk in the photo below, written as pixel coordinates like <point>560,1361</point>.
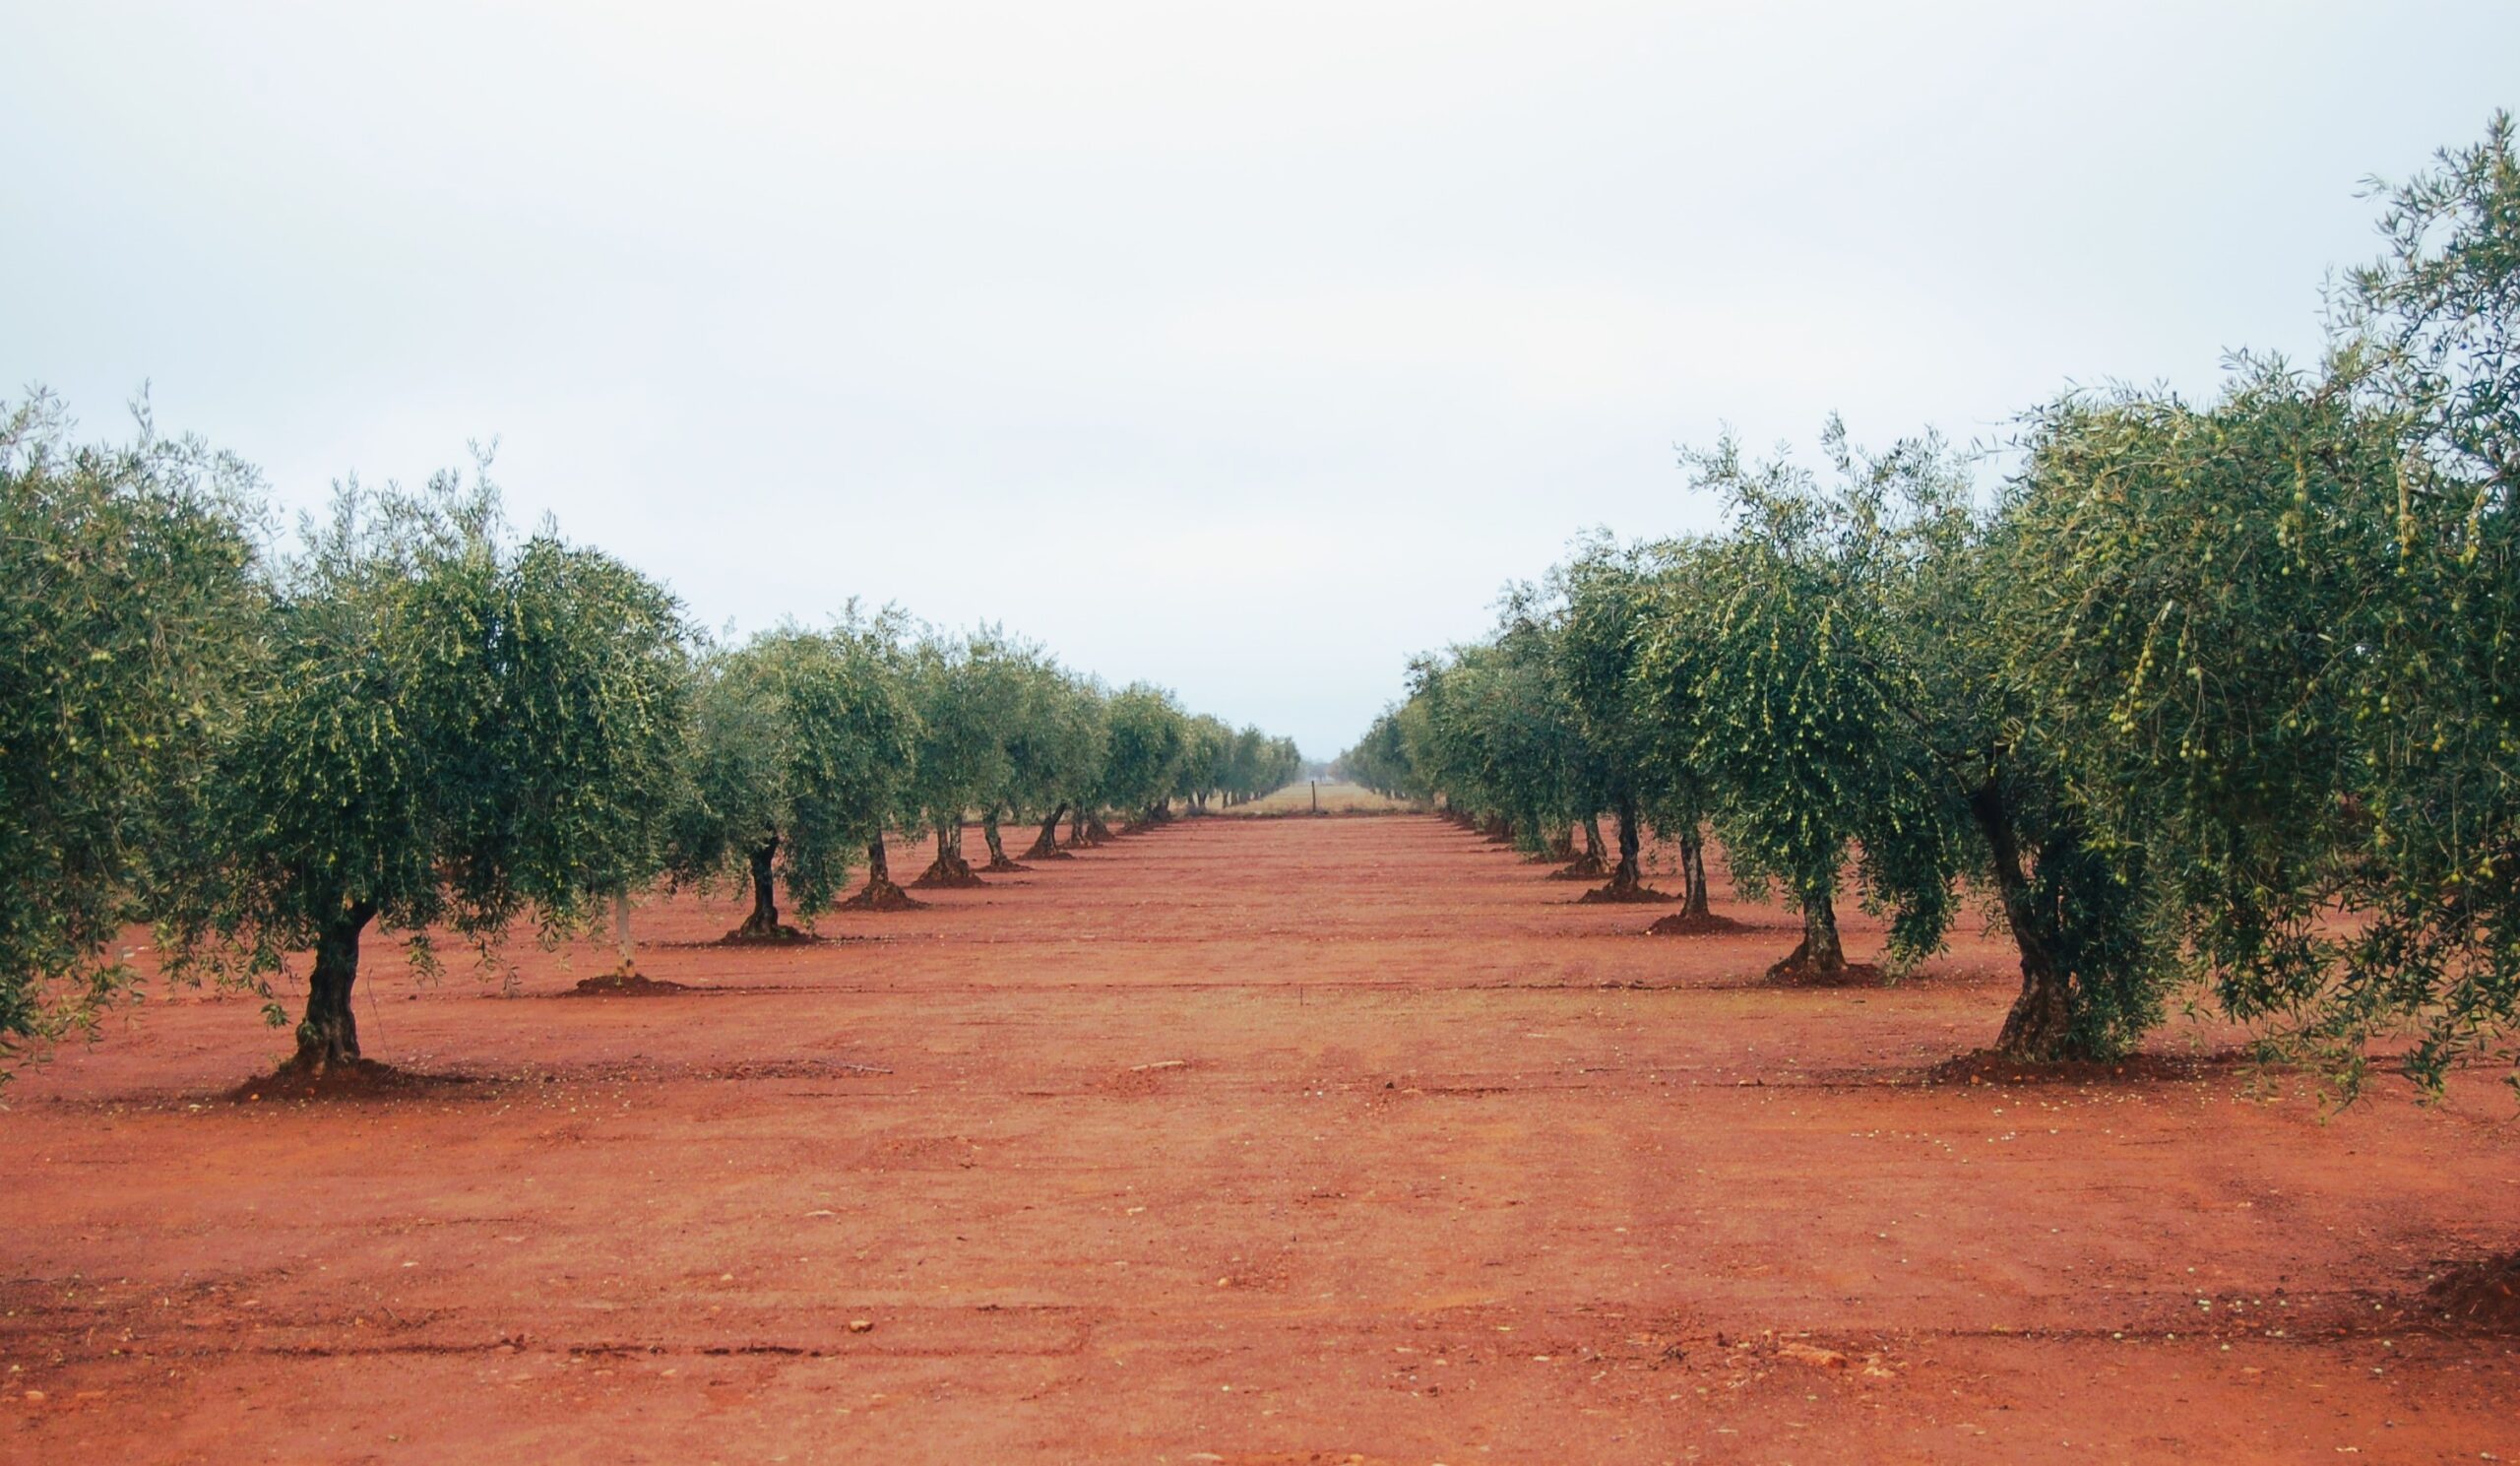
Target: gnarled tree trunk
<point>1818,955</point>
<point>1588,865</point>
<point>998,861</point>
<point>1046,847</point>
<point>762,924</point>
<point>1693,871</point>
<point>329,1035</point>
<point>880,894</point>
<point>1627,878</point>
<point>949,869</point>
<point>2039,1028</point>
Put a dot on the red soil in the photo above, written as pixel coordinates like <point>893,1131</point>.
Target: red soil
<point>2478,1295</point>
<point>1207,1149</point>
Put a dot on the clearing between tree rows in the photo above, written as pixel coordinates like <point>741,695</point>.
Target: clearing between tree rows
<point>1252,1140</point>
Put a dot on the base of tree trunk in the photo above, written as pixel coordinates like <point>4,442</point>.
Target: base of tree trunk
<point>882,895</point>
<point>773,934</point>
<point>624,980</point>
<point>1694,924</point>
<point>352,1079</point>
<point>956,874</point>
<point>2039,1027</point>
<point>1616,893</point>
<point>1002,865</point>
<point>1039,852</point>
<point>1797,970</point>
<point>1582,867</point>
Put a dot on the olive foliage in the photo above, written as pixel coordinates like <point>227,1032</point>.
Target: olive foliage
<point>451,727</point>
<point>128,602</point>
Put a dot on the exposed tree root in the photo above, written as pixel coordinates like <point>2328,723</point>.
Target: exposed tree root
<point>1694,924</point>
<point>1002,865</point>
<point>1586,866</point>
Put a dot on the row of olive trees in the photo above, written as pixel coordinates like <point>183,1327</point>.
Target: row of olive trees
<point>2224,691</point>
<point>412,718</point>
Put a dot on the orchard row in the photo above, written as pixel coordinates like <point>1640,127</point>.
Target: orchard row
<point>2223,695</point>
<point>412,718</point>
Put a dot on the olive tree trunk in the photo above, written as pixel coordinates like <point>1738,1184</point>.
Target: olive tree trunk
<point>1627,878</point>
<point>949,869</point>
<point>880,893</point>
<point>764,920</point>
<point>1693,871</point>
<point>1588,865</point>
<point>2039,1028</point>
<point>1818,955</point>
<point>329,1035</point>
<point>999,860</point>
<point>1046,847</point>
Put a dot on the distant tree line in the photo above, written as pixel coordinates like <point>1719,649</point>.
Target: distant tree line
<point>2223,691</point>
<point>410,717</point>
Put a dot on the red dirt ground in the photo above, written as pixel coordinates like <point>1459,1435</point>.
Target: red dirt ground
<point>1259,1141</point>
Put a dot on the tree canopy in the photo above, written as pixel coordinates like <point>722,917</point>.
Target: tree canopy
<point>127,591</point>
<point>451,728</point>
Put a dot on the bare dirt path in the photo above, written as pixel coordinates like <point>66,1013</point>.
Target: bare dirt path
<point>1253,1140</point>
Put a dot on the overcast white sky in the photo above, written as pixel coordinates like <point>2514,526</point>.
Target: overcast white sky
<point>1245,350</point>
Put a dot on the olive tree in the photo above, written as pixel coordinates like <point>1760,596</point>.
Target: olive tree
<point>128,611</point>
<point>2436,349</point>
<point>1798,739</point>
<point>1054,752</point>
<point>1380,761</point>
<point>967,696</point>
<point>1144,753</point>
<point>451,728</point>
<point>1608,595</point>
<point>1205,764</point>
<point>1931,621</point>
<point>804,739</point>
<point>1497,739</point>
